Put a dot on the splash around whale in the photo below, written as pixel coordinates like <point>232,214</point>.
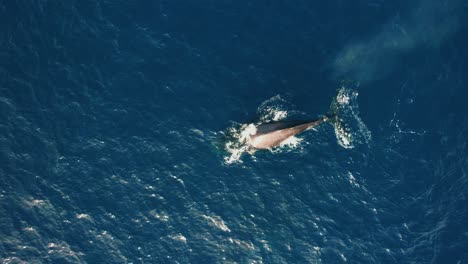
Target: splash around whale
<point>272,134</point>
<point>276,131</point>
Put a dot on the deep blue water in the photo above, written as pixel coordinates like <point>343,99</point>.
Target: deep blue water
<point>113,116</point>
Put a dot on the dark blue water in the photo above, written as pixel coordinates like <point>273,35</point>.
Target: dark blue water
<point>114,117</point>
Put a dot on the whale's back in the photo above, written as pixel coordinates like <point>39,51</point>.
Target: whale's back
<point>278,125</point>
<point>272,134</point>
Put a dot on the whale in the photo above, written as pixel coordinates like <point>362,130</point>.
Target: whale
<point>272,134</point>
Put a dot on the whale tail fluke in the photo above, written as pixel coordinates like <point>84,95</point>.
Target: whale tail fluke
<point>340,100</point>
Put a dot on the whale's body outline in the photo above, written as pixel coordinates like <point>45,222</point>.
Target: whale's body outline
<point>272,134</point>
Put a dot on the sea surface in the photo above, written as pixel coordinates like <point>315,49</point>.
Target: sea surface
<point>124,131</point>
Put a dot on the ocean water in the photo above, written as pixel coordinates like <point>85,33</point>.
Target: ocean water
<point>123,128</point>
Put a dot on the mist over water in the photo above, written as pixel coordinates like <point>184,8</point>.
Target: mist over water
<point>423,28</point>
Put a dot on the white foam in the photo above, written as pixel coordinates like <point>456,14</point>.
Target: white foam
<point>83,216</point>
<point>180,238</point>
<point>343,137</point>
<point>239,142</point>
<point>244,244</point>
<point>162,216</point>
<point>273,109</point>
<point>217,222</point>
<point>343,97</point>
<point>352,180</point>
<point>292,142</point>
<point>279,115</point>
<point>343,257</point>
